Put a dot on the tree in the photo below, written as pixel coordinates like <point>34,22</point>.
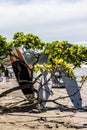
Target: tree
<point>59,54</point>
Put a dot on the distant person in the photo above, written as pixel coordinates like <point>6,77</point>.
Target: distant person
<point>1,79</point>
<point>0,74</point>
<point>7,75</point>
<point>11,74</point>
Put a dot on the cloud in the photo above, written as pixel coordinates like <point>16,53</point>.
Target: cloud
<point>49,19</point>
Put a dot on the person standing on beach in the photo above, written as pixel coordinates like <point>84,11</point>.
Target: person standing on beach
<point>7,75</point>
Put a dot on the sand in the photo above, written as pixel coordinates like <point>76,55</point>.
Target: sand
<point>55,117</point>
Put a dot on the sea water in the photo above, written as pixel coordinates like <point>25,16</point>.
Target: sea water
<point>79,72</point>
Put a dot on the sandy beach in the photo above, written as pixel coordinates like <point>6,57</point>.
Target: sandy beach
<point>56,117</point>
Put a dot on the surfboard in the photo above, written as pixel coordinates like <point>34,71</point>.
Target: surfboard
<point>72,89</point>
<point>22,74</point>
<point>44,91</point>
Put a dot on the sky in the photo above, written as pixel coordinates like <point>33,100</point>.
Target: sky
<point>51,20</point>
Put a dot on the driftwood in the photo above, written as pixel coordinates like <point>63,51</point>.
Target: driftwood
<point>21,108</point>
<point>9,91</point>
<point>37,100</point>
<point>12,90</point>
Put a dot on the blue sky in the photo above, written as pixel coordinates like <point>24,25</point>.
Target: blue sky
<point>49,19</point>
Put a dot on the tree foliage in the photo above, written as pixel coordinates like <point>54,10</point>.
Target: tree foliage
<point>59,54</point>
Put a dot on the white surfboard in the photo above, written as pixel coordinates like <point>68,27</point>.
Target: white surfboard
<point>72,90</point>
<point>45,90</point>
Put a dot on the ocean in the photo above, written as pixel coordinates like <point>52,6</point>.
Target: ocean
<point>79,72</point>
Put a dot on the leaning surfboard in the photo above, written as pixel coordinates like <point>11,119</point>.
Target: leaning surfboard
<point>22,73</point>
<point>45,89</point>
<point>72,89</point>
